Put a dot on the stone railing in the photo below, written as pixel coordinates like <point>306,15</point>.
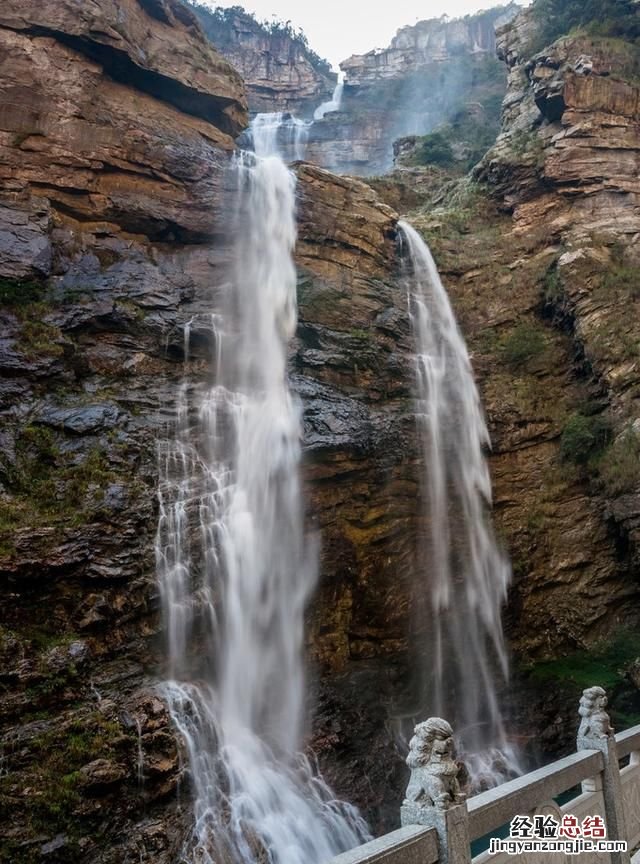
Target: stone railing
<point>439,825</point>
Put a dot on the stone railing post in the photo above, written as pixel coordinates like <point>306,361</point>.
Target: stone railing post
<point>596,733</point>
<point>434,798</point>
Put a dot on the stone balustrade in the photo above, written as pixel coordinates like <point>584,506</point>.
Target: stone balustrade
<point>439,825</point>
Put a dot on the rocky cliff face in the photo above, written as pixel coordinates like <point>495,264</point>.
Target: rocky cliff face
<point>566,165</point>
<point>539,252</point>
<point>113,157</point>
<point>436,40</point>
<point>429,73</point>
<point>280,71</point>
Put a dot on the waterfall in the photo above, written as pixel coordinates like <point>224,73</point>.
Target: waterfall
<point>279,132</point>
<point>235,568</point>
<point>333,104</point>
<point>465,573</point>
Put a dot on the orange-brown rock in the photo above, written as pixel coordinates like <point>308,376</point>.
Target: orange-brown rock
<point>76,142</point>
<point>113,209</point>
<point>117,123</point>
<point>567,164</point>
<point>156,44</point>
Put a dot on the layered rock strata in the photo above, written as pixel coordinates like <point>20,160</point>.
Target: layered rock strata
<point>566,164</point>
<point>116,129</point>
<point>281,73</point>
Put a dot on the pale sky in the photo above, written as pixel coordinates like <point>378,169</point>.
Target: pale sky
<point>338,28</point>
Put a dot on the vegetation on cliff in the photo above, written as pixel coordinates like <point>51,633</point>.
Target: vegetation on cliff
<point>539,255</point>
<point>473,117</point>
<point>555,18</point>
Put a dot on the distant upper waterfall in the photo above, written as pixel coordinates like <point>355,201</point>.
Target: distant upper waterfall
<point>284,134</point>
<point>235,567</point>
<point>333,104</point>
<point>465,575</point>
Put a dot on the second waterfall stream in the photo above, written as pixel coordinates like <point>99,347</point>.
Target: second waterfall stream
<point>234,565</point>
<point>464,574</point>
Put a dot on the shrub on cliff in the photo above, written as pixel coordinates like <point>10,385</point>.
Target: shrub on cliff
<point>556,18</point>
<point>583,438</point>
<point>435,149</point>
<point>620,465</point>
<point>522,345</point>
<point>17,292</point>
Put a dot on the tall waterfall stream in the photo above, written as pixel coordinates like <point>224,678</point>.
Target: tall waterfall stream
<point>235,586</point>
<point>236,569</point>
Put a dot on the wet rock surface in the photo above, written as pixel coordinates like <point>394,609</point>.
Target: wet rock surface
<point>105,256</point>
<point>109,202</point>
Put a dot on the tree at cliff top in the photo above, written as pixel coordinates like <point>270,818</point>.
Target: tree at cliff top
<point>556,18</point>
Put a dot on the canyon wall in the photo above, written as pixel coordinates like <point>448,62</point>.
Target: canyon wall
<point>116,129</point>
<point>280,71</point>
<point>539,250</point>
<point>566,165</point>
<point>114,155</point>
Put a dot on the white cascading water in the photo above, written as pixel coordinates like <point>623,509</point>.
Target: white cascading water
<point>279,132</point>
<point>466,573</point>
<point>285,134</point>
<point>235,569</point>
<point>333,104</point>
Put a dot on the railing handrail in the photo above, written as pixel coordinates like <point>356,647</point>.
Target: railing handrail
<point>416,839</point>
<point>418,844</point>
<point>495,807</point>
<point>628,741</point>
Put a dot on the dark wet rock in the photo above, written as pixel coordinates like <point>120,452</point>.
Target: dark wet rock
<point>99,775</point>
<point>80,420</point>
<point>25,241</point>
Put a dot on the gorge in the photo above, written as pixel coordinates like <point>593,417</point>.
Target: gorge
<point>118,134</point>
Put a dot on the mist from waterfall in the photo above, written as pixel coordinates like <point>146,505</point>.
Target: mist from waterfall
<point>466,575</point>
<point>235,567</point>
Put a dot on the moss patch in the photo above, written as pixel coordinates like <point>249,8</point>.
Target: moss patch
<point>19,293</point>
<point>522,345</point>
<point>50,487</point>
<point>53,774</point>
<point>604,665</point>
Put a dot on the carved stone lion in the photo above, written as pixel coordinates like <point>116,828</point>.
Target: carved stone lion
<point>434,771</point>
<point>595,721</point>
